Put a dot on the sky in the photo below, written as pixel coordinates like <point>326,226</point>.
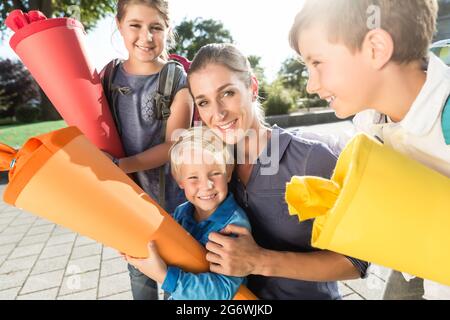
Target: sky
<point>258,27</point>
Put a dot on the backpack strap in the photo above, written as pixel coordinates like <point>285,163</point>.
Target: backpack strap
<point>169,78</point>
<point>446,122</point>
<point>107,76</point>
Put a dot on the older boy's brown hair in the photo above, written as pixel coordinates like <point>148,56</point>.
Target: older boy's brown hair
<point>411,23</point>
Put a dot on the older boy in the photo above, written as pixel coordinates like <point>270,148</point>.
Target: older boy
<point>370,58</point>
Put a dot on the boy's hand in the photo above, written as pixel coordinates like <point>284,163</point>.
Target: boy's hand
<point>154,267</point>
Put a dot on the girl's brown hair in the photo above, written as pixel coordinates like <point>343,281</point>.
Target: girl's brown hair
<point>162,6</point>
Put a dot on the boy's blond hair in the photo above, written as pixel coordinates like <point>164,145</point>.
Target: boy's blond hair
<point>411,23</point>
<point>200,138</point>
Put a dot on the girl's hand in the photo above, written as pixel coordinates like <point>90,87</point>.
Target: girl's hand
<point>154,267</point>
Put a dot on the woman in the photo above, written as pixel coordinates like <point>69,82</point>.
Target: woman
<point>277,257</point>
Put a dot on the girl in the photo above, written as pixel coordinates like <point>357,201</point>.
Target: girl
<point>145,28</point>
<point>277,255</point>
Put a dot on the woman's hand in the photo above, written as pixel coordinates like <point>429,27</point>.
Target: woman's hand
<point>154,267</point>
<point>236,256</point>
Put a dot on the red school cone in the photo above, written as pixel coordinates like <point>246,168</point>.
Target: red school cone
<point>53,50</point>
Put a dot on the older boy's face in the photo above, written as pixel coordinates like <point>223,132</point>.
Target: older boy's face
<point>204,181</point>
<point>336,74</point>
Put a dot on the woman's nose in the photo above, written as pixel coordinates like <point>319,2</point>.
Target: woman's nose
<point>220,112</point>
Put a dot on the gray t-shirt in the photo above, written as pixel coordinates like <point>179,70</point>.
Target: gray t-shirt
<point>140,130</point>
<point>263,199</point>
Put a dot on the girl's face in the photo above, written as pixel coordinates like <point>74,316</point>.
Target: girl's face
<point>144,33</point>
<point>224,101</point>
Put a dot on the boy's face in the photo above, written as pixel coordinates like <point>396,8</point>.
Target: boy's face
<point>343,78</point>
<point>204,181</point>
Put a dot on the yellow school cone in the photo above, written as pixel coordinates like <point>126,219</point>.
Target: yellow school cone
<point>382,207</point>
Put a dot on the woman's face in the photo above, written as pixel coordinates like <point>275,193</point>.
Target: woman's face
<point>224,101</point>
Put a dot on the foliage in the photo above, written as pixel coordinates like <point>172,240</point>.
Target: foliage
<point>191,35</point>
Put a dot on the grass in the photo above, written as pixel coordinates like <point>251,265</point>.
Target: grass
<point>16,135</point>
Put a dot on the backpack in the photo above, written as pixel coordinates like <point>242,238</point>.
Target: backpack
<point>446,122</point>
<point>170,76</point>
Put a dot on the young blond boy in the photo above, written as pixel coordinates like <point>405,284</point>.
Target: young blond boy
<point>202,166</point>
<point>370,59</point>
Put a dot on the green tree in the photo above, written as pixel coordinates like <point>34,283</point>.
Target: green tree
<point>17,87</point>
<point>191,35</point>
<point>87,11</point>
<point>293,75</point>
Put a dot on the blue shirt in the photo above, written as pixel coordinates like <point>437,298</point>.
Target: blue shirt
<point>205,286</point>
<point>263,199</point>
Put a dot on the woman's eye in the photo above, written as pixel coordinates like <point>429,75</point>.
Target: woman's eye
<point>315,63</point>
<point>202,103</point>
<point>228,94</point>
<point>192,178</point>
<point>135,26</point>
<point>156,29</point>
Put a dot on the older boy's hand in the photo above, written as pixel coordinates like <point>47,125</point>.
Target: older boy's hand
<point>233,256</point>
<point>154,267</point>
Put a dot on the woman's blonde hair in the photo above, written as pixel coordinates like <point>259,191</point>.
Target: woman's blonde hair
<point>200,139</point>
<point>228,56</point>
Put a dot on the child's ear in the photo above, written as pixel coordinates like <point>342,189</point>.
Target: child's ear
<point>378,46</point>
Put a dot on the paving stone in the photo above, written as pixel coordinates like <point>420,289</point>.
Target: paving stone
<point>82,241</point>
<point>79,282</point>
<point>52,264</point>
<point>9,294</point>
<point>110,253</point>
<point>61,230</point>
<point>26,251</point>
<point>83,295</point>
<point>12,280</point>
<point>18,264</point>
<point>371,288</point>
<point>381,272</point>
<point>6,249</point>
<point>24,214</point>
<point>83,265</point>
<point>49,294</point>
<point>61,238</point>
<point>10,239</point>
<point>85,251</point>
<point>35,239</point>
<point>114,284</point>
<point>344,290</point>
<point>15,230</point>
<point>56,251</point>
<point>6,221</point>
<point>113,266</point>
<point>42,222</point>
<point>42,281</point>
<point>127,295</point>
<point>40,229</point>
<point>23,221</point>
<point>9,214</point>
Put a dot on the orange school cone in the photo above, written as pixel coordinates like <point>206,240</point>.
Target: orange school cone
<point>53,51</point>
<point>64,178</point>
